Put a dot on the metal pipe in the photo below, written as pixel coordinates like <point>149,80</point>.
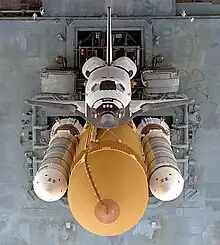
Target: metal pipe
<point>186,168</point>
<point>180,146</point>
<point>34,122</point>
<point>138,57</point>
<point>35,167</point>
<point>192,162</point>
<point>22,11</point>
<point>40,127</point>
<point>38,161</point>
<point>186,122</point>
<point>179,126</point>
<point>29,159</point>
<point>115,47</point>
<point>39,147</point>
<point>109,38</point>
<point>90,18</point>
<point>185,162</point>
<point>181,160</point>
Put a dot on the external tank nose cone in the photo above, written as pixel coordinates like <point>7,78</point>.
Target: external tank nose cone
<point>122,184</point>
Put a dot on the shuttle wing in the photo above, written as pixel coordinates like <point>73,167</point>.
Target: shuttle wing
<point>140,106</point>
<point>76,107</point>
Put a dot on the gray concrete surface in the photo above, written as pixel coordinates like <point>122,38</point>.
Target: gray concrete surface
<point>203,9</point>
<point>97,8</point>
<point>27,46</point>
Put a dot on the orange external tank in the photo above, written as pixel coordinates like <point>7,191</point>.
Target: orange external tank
<point>108,188</point>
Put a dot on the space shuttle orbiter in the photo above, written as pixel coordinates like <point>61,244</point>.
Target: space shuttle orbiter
<point>108,93</point>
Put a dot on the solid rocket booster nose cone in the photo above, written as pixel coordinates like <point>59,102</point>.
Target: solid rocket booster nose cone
<point>166,183</point>
<point>50,184</point>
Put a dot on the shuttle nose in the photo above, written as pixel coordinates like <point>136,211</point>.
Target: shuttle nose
<point>108,120</point>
